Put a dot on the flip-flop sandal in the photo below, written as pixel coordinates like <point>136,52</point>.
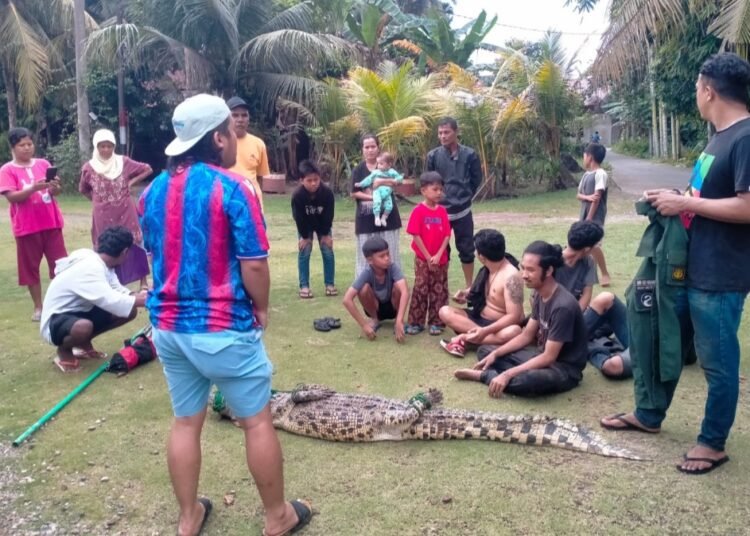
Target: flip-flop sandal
<point>333,323</point>
<point>436,330</point>
<point>303,509</point>
<point>332,291</point>
<point>305,294</point>
<point>37,316</point>
<point>67,366</point>
<point>713,464</point>
<point>321,324</point>
<point>207,507</point>
<point>89,354</point>
<point>456,349</point>
<point>627,425</point>
<point>413,329</point>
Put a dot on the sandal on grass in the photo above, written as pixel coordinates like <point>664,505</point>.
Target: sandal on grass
<point>436,330</point>
<point>327,323</point>
<point>454,348</point>
<point>712,464</point>
<point>305,293</point>
<point>37,316</point>
<point>333,323</point>
<point>332,291</point>
<point>89,354</point>
<point>626,425</point>
<point>303,509</point>
<point>321,324</point>
<point>413,329</point>
<point>68,366</point>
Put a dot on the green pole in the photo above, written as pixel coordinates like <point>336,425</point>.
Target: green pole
<point>60,405</point>
<point>64,402</point>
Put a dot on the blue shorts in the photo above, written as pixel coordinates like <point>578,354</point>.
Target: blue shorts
<point>235,361</point>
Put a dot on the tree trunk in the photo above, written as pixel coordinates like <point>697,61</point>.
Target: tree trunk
<point>663,138</point>
<point>10,89</point>
<point>82,100</point>
<point>121,113</point>
<point>654,142</point>
<point>675,137</point>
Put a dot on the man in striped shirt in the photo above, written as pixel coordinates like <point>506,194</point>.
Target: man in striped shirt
<point>209,307</point>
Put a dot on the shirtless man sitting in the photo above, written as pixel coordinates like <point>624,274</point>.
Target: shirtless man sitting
<point>495,298</point>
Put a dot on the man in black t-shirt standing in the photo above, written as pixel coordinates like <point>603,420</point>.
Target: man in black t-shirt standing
<point>462,175</point>
<point>716,210</point>
<point>549,355</point>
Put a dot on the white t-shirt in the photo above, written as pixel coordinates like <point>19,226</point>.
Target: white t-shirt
<point>82,281</point>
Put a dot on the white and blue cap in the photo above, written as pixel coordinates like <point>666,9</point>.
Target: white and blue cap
<point>194,118</point>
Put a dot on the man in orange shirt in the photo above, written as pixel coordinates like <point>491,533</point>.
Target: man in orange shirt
<point>252,158</point>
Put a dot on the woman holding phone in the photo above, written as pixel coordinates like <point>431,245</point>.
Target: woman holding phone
<point>35,218</point>
<point>106,180</point>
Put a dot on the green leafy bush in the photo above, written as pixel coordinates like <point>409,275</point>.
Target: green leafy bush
<point>637,147</point>
<point>67,158</point>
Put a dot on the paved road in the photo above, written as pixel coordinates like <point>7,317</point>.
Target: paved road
<point>635,175</point>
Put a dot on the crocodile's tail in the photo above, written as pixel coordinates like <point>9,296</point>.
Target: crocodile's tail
<point>537,430</point>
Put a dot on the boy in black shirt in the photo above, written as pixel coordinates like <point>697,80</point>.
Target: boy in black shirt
<point>312,210</point>
<point>549,355</point>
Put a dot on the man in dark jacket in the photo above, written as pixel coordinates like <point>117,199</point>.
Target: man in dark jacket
<point>461,170</point>
<point>716,209</point>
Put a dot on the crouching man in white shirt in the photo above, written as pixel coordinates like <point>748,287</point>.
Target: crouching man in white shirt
<point>85,299</point>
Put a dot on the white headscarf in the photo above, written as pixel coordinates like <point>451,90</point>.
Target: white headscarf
<point>111,168</point>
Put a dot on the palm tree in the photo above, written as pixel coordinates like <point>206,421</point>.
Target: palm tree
<point>217,45</point>
<point>635,23</point>
<point>541,85</point>
<point>397,105</point>
<point>31,32</point>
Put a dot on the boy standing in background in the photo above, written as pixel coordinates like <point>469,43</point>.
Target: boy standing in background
<point>592,193</point>
<point>312,210</point>
<point>431,231</point>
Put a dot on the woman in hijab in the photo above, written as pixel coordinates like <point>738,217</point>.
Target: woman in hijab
<point>106,180</point>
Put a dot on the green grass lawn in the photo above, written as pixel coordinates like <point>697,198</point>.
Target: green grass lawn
<point>419,488</point>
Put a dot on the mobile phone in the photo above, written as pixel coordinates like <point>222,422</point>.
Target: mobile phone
<point>50,174</point>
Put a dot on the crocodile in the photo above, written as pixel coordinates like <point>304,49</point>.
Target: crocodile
<point>320,412</point>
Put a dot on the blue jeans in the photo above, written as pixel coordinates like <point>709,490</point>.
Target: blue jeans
<point>613,321</point>
<point>329,265</point>
<point>716,318</point>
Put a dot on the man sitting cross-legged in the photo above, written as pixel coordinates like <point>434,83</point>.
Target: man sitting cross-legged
<point>85,299</point>
<point>381,289</point>
<point>496,299</point>
<point>556,328</point>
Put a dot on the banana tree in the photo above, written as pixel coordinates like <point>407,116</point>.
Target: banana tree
<point>377,23</point>
<point>441,44</point>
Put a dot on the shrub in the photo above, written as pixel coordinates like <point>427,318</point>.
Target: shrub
<point>66,156</point>
<point>637,147</point>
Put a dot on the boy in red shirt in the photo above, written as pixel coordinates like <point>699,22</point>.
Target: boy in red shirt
<point>431,229</point>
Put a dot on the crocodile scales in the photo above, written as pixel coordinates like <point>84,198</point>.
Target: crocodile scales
<point>320,412</point>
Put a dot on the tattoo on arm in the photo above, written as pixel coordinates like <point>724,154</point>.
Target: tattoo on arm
<point>514,284</point>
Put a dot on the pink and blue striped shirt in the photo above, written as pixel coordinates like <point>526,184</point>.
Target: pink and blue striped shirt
<point>198,225</point>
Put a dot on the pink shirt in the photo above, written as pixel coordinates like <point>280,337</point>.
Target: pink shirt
<point>39,211</point>
<point>432,226</point>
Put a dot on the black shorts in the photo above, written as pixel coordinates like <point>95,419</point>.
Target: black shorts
<point>478,319</point>
<point>60,324</point>
<point>386,311</point>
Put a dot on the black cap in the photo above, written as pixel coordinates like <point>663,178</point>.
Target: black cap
<point>237,102</point>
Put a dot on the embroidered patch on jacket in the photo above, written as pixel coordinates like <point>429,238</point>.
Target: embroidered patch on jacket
<point>679,273</point>
<point>644,292</point>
